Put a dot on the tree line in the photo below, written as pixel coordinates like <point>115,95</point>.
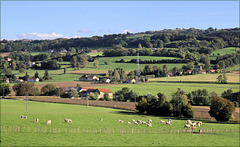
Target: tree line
<point>168,38</point>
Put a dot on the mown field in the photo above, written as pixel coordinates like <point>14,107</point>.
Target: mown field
<point>169,88</point>
<point>231,77</point>
<point>88,118</point>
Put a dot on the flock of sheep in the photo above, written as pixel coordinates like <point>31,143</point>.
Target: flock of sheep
<point>49,122</point>
<point>148,123</point>
<point>189,123</point>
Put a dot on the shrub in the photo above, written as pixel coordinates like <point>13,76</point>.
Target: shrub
<point>106,97</point>
<point>24,89</point>
<point>92,96</point>
<point>49,90</point>
<point>221,109</point>
<point>4,89</point>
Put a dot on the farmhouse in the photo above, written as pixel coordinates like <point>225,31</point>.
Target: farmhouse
<point>86,93</point>
<point>33,79</point>
<point>132,80</point>
<point>19,80</point>
<point>101,92</point>
<point>198,67</point>
<point>202,72</point>
<point>78,89</point>
<point>89,78</point>
<point>189,71</point>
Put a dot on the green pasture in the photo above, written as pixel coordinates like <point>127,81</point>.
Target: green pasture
<point>232,78</point>
<point>169,88</point>
<point>130,66</point>
<point>89,117</point>
<point>223,51</point>
<point>233,68</point>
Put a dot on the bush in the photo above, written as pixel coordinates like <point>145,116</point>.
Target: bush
<point>49,90</point>
<point>106,97</point>
<point>24,89</point>
<point>92,96</point>
<point>4,89</point>
<point>221,109</point>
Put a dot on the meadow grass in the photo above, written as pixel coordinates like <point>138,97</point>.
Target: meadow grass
<point>233,68</point>
<point>89,117</point>
<point>130,66</point>
<point>222,52</point>
<point>231,77</point>
<point>169,88</point>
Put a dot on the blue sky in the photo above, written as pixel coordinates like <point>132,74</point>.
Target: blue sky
<point>54,19</point>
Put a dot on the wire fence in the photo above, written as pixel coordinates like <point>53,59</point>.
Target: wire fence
<point>14,129</point>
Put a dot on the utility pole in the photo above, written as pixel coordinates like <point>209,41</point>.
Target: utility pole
<point>138,72</point>
<point>3,93</point>
<point>26,101</point>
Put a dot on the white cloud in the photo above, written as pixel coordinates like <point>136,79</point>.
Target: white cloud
<point>85,30</point>
<point>130,31</point>
<point>40,36</point>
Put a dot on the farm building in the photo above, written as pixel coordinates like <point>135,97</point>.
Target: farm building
<point>33,79</point>
<point>19,80</point>
<point>78,89</point>
<point>86,93</point>
<point>132,80</point>
<point>202,72</point>
<point>101,92</point>
<point>88,78</point>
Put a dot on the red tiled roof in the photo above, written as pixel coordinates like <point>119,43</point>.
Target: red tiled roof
<point>105,90</point>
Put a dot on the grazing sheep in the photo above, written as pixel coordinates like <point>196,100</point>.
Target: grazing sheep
<point>194,124</point>
<point>149,125</point>
<point>161,121</point>
<point>189,121</point>
<point>129,123</point>
<point>139,121</point>
<point>136,123</point>
<point>143,122</point>
<point>37,120</point>
<point>200,131</point>
<point>168,123</point>
<point>150,121</point>
<point>24,117</point>
<point>187,126</point>
<point>69,120</point>
<point>169,120</point>
<point>133,120</point>
<point>49,122</point>
<point>199,123</point>
<point>120,121</point>
<point>101,119</point>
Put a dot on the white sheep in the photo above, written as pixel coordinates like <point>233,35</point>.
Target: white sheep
<point>133,120</point>
<point>162,121</point>
<point>143,122</point>
<point>69,120</point>
<point>139,121</point>
<point>187,126</point>
<point>199,123</point>
<point>120,121</point>
<point>136,123</point>
<point>189,121</point>
<point>129,123</point>
<point>168,123</point>
<point>149,125</point>
<point>24,117</point>
<point>101,119</point>
<point>194,124</point>
<point>169,120</point>
<point>49,122</point>
<point>37,120</point>
<point>150,121</point>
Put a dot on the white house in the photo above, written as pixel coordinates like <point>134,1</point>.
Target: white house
<point>33,79</point>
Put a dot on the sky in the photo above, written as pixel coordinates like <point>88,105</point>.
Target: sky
<point>70,19</point>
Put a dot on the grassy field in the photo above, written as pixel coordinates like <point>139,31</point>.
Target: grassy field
<point>169,88</point>
<point>89,118</point>
<point>129,66</point>
<point>223,51</point>
<point>234,68</point>
<point>231,77</point>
